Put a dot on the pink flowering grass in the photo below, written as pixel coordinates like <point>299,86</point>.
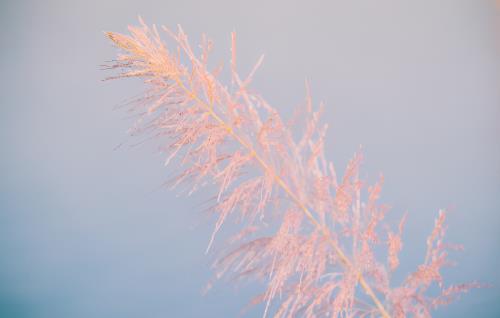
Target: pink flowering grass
<point>306,231</point>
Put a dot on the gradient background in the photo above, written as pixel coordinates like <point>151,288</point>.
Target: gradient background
<point>86,231</point>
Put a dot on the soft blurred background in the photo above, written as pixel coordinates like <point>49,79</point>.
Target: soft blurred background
<point>86,229</point>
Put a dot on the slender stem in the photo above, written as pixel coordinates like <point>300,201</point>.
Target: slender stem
<point>343,258</point>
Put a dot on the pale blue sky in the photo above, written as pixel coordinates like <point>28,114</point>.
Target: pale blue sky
<point>85,230</point>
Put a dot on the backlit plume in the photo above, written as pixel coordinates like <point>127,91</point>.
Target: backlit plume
<point>311,235</point>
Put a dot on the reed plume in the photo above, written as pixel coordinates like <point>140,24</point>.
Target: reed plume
<point>309,233</point>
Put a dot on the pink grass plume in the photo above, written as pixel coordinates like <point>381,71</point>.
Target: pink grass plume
<point>310,236</point>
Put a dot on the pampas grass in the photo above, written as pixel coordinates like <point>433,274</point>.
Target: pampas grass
<point>308,232</point>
